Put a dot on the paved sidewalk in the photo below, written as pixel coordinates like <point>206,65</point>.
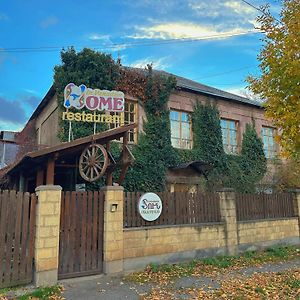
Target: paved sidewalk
<point>115,288</point>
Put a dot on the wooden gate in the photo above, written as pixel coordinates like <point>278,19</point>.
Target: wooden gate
<point>81,234</point>
<point>17,222</point>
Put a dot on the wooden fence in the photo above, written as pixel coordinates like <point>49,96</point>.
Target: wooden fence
<point>264,206</point>
<point>17,222</point>
<point>178,208</point>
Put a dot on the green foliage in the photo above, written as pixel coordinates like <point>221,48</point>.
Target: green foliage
<point>253,162</point>
<point>208,145</point>
<point>278,82</point>
<point>92,68</point>
<point>241,172</point>
<point>154,152</point>
<point>45,293</point>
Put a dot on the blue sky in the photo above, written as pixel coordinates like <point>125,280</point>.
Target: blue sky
<point>224,54</point>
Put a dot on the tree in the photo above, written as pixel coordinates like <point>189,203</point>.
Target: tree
<point>253,163</point>
<point>208,145</point>
<point>279,82</point>
<point>95,70</point>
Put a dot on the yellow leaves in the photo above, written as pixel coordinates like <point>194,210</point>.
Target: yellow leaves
<point>269,285</point>
<point>279,83</point>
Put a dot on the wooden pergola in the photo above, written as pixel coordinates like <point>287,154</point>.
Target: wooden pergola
<point>52,164</point>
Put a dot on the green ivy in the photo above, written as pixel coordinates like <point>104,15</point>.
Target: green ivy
<point>208,145</point>
<point>253,162</point>
<point>154,152</point>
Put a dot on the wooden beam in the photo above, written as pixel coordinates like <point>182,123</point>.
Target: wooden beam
<point>50,171</point>
<point>39,177</point>
<point>21,183</point>
<point>109,176</point>
<point>123,173</point>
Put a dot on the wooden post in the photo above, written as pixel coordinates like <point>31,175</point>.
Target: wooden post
<point>125,163</point>
<point>109,176</point>
<point>21,183</point>
<point>50,171</point>
<point>39,177</point>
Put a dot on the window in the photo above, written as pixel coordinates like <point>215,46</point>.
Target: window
<point>229,135</point>
<point>268,134</point>
<point>181,134</point>
<point>130,116</point>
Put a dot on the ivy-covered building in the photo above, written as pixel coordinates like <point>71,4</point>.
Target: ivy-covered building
<point>235,112</point>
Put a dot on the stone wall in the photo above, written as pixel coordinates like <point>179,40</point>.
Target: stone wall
<point>266,232</point>
<point>169,244</point>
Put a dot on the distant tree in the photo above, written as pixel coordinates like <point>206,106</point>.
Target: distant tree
<point>279,82</point>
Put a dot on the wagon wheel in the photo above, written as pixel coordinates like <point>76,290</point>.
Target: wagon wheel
<point>93,162</point>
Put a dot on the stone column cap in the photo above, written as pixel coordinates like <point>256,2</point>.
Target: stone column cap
<point>295,190</point>
<point>48,188</point>
<point>225,190</point>
<point>112,188</point>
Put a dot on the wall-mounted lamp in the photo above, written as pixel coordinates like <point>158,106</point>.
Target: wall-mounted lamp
<point>114,207</point>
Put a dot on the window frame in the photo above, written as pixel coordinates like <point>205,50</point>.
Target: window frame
<point>181,139</point>
<point>228,129</point>
<point>135,120</point>
<point>275,149</point>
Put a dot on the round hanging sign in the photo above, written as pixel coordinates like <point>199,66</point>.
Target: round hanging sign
<point>150,206</point>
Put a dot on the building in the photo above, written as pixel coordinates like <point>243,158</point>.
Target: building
<point>8,148</point>
<point>235,113</point>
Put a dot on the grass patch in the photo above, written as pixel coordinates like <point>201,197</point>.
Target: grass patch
<point>46,293</point>
<point>166,272</point>
<point>4,291</point>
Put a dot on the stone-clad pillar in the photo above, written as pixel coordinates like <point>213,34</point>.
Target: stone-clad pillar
<point>228,215</point>
<point>113,247</point>
<point>47,235</point>
<point>296,200</point>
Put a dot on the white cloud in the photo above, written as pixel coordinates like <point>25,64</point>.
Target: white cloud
<point>241,91</point>
<point>181,30</point>
<point>99,37</point>
<point>157,63</point>
<point>106,42</point>
<point>217,8</point>
<point>29,91</point>
<point>3,17</point>
<point>49,21</point>
<point>11,126</point>
<point>239,7</point>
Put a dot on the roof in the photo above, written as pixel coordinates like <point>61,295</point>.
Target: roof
<point>182,83</point>
<point>194,86</point>
<point>190,85</point>
<point>51,92</point>
<point>70,147</point>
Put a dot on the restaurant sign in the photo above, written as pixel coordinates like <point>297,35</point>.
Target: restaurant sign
<point>94,100</point>
<point>150,206</point>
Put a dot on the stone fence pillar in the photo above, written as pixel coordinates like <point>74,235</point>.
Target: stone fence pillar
<point>296,194</point>
<point>113,247</point>
<point>47,235</point>
<point>228,215</point>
